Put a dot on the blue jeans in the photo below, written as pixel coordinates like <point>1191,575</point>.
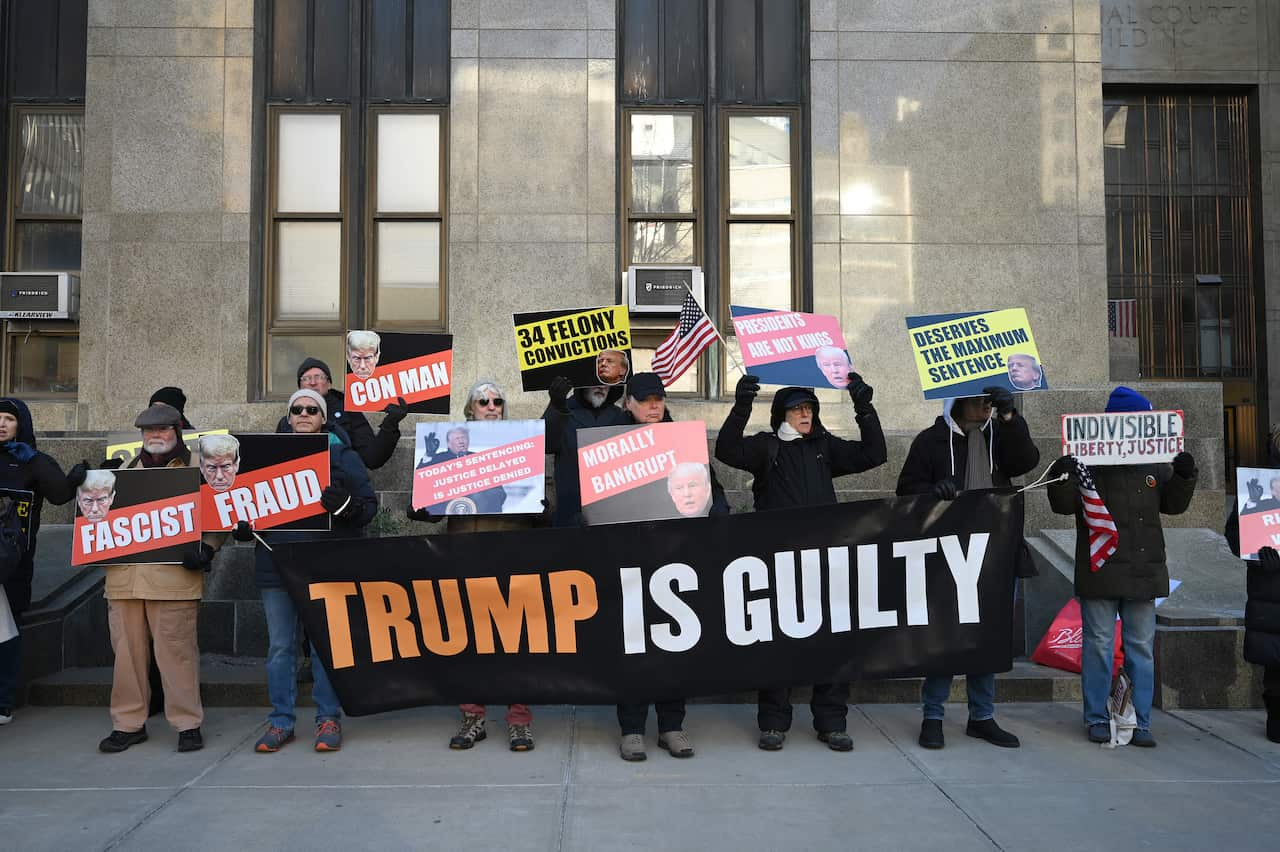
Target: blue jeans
<point>981,689</point>
<point>10,663</point>
<point>282,664</point>
<point>1138,634</point>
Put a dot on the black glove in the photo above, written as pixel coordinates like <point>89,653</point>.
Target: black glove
<point>1066,464</point>
<point>745,393</point>
<point>111,464</point>
<point>335,499</point>
<point>945,489</point>
<point>75,476</point>
<point>1184,465</point>
<point>242,531</point>
<point>1001,399</point>
<point>421,515</point>
<point>559,393</point>
<point>1269,558</point>
<point>860,392</point>
<point>431,443</point>
<point>1255,490</point>
<point>395,412</point>
<point>198,557</point>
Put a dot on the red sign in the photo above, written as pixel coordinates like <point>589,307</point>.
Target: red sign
<point>470,474</point>
<point>269,496</point>
<point>136,529</point>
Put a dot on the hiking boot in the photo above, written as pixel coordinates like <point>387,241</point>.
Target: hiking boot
<point>6,715</point>
<point>631,747</point>
<point>931,734</point>
<point>676,743</point>
<point>121,740</point>
<point>328,735</point>
<point>471,732</point>
<point>190,740</point>
<point>520,737</point>
<point>988,730</point>
<point>1142,739</point>
<point>1099,732</point>
<point>772,740</point>
<point>273,740</point>
<point>836,740</point>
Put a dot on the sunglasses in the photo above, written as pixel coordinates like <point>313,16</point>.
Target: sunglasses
<point>304,409</point>
<point>496,402</point>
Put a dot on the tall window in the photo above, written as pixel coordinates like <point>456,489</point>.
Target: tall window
<point>355,186</point>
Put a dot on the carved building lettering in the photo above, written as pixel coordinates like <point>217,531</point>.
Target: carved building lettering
<point>1138,25</point>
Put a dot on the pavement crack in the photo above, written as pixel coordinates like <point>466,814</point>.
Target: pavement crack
<point>566,777</point>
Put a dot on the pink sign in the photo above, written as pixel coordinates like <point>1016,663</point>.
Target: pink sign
<point>788,347</point>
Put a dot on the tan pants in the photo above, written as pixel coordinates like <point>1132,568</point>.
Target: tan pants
<point>173,623</point>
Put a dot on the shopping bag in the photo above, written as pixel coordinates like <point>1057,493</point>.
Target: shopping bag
<point>1060,648</point>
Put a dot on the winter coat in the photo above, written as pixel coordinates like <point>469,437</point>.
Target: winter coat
<point>719,502</point>
<point>42,476</point>
<point>345,467</point>
<point>798,472</point>
<point>1262,610</point>
<point>374,450</point>
<point>1136,496</point>
<point>942,452</point>
<point>562,442</point>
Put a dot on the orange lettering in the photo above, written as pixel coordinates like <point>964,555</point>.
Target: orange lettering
<point>573,599</point>
<point>335,597</point>
<point>509,616</point>
<point>386,606</point>
<point>433,628</point>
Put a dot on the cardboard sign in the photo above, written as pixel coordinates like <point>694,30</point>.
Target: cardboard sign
<point>271,481</point>
<point>791,348</point>
<point>21,502</point>
<point>958,355</point>
<point>141,515</point>
<point>481,467</point>
<point>589,346</point>
<point>1130,437</point>
<point>1258,499</point>
<point>126,445</point>
<point>645,472</point>
<point>384,366</point>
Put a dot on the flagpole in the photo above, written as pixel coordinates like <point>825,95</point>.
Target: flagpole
<point>716,329</point>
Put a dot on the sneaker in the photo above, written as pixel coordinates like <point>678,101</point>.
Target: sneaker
<point>931,734</point>
<point>1142,739</point>
<point>121,740</point>
<point>836,740</point>
<point>6,715</point>
<point>632,747</point>
<point>328,735</point>
<point>190,740</point>
<point>1099,732</point>
<point>471,732</point>
<point>772,740</point>
<point>988,730</point>
<point>273,740</point>
<point>520,737</point>
<point>676,743</point>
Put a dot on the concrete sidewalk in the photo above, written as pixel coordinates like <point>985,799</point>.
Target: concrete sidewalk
<point>1214,782</point>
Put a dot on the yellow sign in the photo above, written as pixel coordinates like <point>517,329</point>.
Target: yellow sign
<point>960,354</point>
<point>571,336</point>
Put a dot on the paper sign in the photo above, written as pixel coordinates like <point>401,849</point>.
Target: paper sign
<point>958,355</point>
<point>126,445</point>
<point>141,515</point>
<point>22,502</point>
<point>1131,437</point>
<point>644,472</point>
<point>480,467</point>
<point>791,348</point>
<point>384,366</point>
<point>1258,499</point>
<point>587,346</point>
<point>271,481</point>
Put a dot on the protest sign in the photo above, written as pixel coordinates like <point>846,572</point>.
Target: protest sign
<point>480,467</point>
<point>657,610</point>
<point>588,346</point>
<point>644,472</point>
<point>140,515</point>
<point>1258,500</point>
<point>271,481</point>
<point>21,502</point>
<point>125,446</point>
<point>791,348</point>
<point>960,354</point>
<point>382,366</point>
<point>1131,437</point>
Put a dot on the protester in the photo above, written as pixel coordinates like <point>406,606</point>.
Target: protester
<point>155,607</point>
<point>173,397</point>
<point>794,465</point>
<point>977,442</point>
<point>1132,577</point>
<point>351,502</point>
<point>374,450</point>
<point>24,468</point>
<point>568,411</point>
<point>646,402</point>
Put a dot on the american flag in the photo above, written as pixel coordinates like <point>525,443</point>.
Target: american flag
<point>1122,317</point>
<point>1103,536</point>
<point>692,334</point>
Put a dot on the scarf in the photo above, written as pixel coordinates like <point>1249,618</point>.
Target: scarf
<point>20,451</point>
<point>787,432</point>
<point>977,469</point>
<point>151,460</point>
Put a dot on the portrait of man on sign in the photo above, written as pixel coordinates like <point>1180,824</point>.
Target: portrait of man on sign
<point>219,460</point>
<point>689,485</point>
<point>1025,372</point>
<point>363,350</point>
<point>96,494</point>
<point>834,364</point>
<point>612,366</point>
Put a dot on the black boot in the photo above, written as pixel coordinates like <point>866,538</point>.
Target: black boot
<point>1273,717</point>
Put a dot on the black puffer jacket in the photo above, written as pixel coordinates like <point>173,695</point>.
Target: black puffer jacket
<point>1136,496</point>
<point>942,452</point>
<point>42,476</point>
<point>374,450</point>
<point>798,472</point>
<point>562,442</point>
<point>1262,610</point>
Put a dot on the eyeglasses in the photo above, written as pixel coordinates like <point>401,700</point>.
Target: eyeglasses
<point>304,409</point>
<point>496,402</point>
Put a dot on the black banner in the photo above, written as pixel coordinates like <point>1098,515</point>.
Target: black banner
<point>664,609</point>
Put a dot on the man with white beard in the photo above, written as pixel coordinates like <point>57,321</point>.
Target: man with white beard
<point>569,411</point>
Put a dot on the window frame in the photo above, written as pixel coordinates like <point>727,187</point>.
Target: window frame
<point>628,216</point>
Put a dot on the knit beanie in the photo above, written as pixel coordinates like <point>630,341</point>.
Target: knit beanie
<point>1127,399</point>
<point>312,363</point>
<point>311,396</point>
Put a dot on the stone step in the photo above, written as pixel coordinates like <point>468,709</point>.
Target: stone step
<point>240,682</point>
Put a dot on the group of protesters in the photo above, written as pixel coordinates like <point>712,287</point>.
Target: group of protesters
<point>977,442</point>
